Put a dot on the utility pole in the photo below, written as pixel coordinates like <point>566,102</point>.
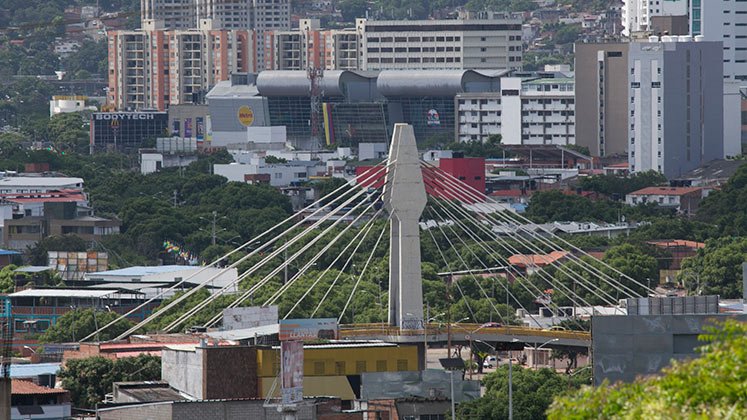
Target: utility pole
<point>175,199</point>
<point>215,215</point>
<point>510,391</point>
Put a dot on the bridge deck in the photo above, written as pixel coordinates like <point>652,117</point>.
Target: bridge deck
<point>438,333</point>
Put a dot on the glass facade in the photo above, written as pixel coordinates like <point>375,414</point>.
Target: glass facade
<point>126,131</point>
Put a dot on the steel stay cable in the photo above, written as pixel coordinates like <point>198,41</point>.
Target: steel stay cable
<point>204,303</point>
<point>456,283</point>
<point>314,259</point>
<point>482,197</point>
<point>285,263</point>
<point>542,274</point>
<point>464,263</point>
<point>342,270</point>
<point>364,228</point>
<point>578,262</point>
<point>485,266</point>
<point>360,276</point>
<point>507,247</point>
<point>365,175</point>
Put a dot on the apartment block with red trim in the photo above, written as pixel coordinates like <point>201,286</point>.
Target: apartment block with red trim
<point>310,46</point>
<point>152,67</point>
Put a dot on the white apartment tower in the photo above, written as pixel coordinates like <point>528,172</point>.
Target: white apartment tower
<point>440,44</point>
<point>637,14</point>
<point>538,111</point>
<point>675,105</point>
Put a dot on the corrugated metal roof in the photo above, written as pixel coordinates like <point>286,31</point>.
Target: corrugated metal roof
<point>35,369</point>
<point>129,286</point>
<point>75,293</point>
<point>429,82</point>
<point>145,270</point>
<point>225,89</point>
<point>39,181</point>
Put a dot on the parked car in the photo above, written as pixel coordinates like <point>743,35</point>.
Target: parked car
<point>490,362</point>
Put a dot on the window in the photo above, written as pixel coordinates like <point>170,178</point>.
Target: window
<point>401,365</point>
<point>318,368</point>
<point>339,368</point>
<point>360,366</point>
<point>381,365</point>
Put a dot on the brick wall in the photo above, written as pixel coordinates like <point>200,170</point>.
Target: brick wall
<point>230,372</point>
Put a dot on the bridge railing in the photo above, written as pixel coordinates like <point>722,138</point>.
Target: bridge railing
<point>378,329</point>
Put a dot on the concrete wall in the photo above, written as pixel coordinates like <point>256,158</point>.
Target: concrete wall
<point>155,411</point>
<point>183,370</point>
<point>230,372</point>
<point>625,347</point>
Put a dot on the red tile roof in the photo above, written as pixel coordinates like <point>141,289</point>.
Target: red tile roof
<point>21,387</point>
<point>536,260</point>
<point>666,191</point>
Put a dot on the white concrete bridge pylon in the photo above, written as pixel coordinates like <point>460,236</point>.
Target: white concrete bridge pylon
<point>405,199</point>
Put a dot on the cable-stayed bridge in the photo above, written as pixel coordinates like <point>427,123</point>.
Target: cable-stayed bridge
<point>400,201</point>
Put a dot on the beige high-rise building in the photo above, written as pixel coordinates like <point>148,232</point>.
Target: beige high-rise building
<point>310,46</point>
<point>602,98</point>
<point>154,67</point>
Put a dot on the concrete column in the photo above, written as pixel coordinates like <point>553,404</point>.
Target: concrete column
<point>405,198</point>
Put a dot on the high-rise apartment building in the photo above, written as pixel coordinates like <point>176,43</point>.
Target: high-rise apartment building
<point>269,15</point>
<point>537,111</point>
<point>675,96</point>
<point>440,44</point>
<point>726,21</point>
<point>638,15</point>
<point>602,97</point>
<point>310,46</point>
<point>175,14</point>
<point>154,67</point>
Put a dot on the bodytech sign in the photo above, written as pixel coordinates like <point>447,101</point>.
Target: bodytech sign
<point>124,116</point>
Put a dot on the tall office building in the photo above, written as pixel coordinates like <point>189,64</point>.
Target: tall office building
<point>440,44</point>
<point>269,15</point>
<point>675,107</point>
<point>602,97</point>
<point>310,46</point>
<point>154,67</point>
<point>639,15</point>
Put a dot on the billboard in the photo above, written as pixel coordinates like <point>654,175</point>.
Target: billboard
<point>188,127</point>
<point>126,131</point>
<point>292,371</point>
<point>308,329</point>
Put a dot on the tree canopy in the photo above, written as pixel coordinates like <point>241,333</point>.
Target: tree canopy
<point>78,323</point>
<point>717,268</point>
<point>533,392</point>
<point>90,379</point>
<point>712,386</point>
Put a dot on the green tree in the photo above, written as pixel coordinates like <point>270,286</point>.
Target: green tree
<point>7,276</point>
<point>533,392</point>
<point>38,254</point>
<point>712,386</point>
<point>79,323</point>
<point>725,207</point>
<point>352,9</point>
<point>90,379</point>
<point>717,268</point>
<point>619,186</point>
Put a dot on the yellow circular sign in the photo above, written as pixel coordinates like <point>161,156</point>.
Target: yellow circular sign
<point>246,116</point>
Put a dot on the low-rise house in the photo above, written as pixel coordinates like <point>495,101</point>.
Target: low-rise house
<point>684,199</point>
